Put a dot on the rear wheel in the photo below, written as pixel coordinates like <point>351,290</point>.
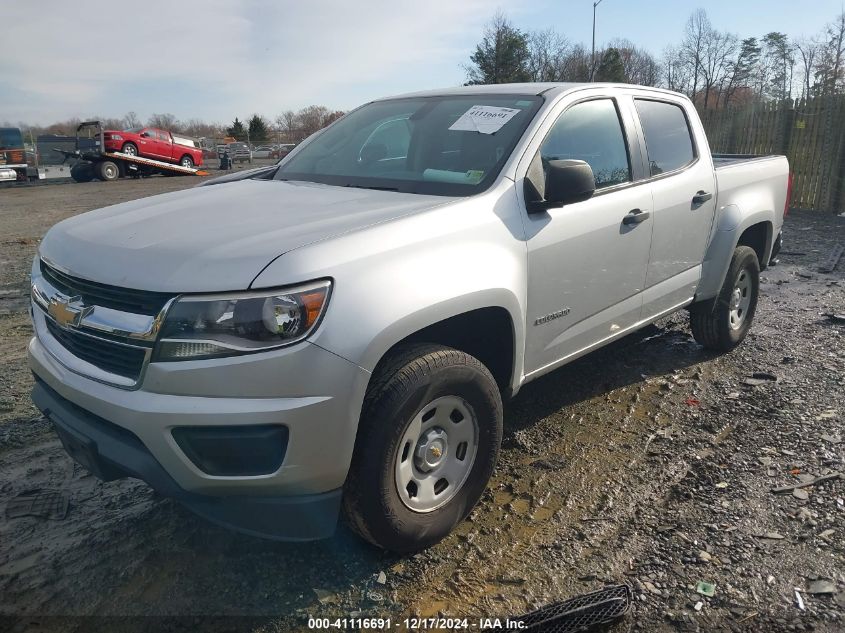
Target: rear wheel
<point>130,148</point>
<point>186,161</point>
<point>82,172</point>
<point>722,324</point>
<point>108,170</point>
<point>427,444</point>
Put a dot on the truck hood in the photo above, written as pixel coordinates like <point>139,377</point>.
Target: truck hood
<point>216,238</point>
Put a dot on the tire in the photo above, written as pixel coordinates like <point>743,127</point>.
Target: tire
<point>82,172</point>
<point>417,389</point>
<point>186,161</point>
<point>723,323</point>
<point>108,171</point>
<point>129,148</point>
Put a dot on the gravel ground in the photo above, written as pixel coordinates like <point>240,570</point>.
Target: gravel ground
<point>650,462</point>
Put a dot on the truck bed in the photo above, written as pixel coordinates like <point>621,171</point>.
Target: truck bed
<point>726,160</point>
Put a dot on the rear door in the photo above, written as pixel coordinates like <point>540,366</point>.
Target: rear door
<point>165,145</point>
<point>683,187</point>
<point>586,265</point>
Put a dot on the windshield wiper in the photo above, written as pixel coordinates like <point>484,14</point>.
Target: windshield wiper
<point>373,187</point>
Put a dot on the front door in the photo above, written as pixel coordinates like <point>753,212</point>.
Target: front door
<point>586,263</point>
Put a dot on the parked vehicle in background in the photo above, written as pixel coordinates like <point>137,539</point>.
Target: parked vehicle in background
<point>283,150</point>
<point>264,151</point>
<point>150,142</point>
<point>240,152</point>
<point>338,332</point>
<point>13,164</point>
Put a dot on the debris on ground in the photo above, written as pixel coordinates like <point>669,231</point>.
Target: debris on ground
<point>580,613</point>
<point>705,588</point>
<point>832,260</point>
<point>44,504</point>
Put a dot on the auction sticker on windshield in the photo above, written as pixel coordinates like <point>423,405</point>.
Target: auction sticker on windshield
<point>484,119</point>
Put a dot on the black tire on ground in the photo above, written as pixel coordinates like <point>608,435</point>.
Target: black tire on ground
<point>186,161</point>
<point>711,320</point>
<point>405,385</point>
<point>82,172</point>
<point>108,171</point>
<point>129,148</point>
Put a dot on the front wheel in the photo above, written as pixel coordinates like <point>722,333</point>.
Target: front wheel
<point>130,148</point>
<point>723,323</point>
<point>429,436</point>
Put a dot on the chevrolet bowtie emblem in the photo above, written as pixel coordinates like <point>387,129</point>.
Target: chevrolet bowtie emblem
<point>68,312</point>
<point>436,451</point>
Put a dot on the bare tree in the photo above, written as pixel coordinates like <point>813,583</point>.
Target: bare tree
<point>640,66</point>
<point>310,120</point>
<point>719,51</point>
<point>676,73</point>
<point>696,33</point>
<point>576,64</point>
<point>547,51</point>
<point>808,52</point>
<point>286,124</point>
<point>130,120</point>
<point>164,121</point>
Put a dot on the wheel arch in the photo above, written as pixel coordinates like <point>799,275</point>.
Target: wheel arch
<point>734,228</point>
<point>488,330</point>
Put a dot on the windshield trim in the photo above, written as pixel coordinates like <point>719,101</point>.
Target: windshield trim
<point>421,187</point>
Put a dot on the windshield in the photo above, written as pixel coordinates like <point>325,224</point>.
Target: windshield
<point>10,137</point>
<point>452,146</point>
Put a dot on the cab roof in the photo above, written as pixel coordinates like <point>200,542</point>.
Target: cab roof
<point>534,88</point>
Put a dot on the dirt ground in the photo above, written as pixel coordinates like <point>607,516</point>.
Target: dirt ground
<point>650,462</point>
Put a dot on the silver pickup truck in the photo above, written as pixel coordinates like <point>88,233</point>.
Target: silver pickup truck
<point>336,333</point>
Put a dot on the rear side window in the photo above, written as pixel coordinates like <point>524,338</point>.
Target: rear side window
<point>591,131</point>
<point>667,136</point>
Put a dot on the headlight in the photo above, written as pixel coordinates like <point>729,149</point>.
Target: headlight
<point>116,137</point>
<point>210,326</point>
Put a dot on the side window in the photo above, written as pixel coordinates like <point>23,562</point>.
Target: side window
<point>591,131</point>
<point>389,140</point>
<point>164,136</point>
<point>668,137</point>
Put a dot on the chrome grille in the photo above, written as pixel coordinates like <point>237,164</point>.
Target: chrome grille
<point>97,294</point>
<point>112,357</point>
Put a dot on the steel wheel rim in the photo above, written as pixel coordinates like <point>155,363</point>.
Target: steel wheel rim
<point>436,454</point>
<point>110,172</point>
<point>740,300</point>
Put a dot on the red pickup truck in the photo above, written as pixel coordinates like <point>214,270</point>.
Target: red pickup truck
<point>150,142</point>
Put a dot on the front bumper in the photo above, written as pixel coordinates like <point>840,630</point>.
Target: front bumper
<point>314,394</point>
<point>110,452</point>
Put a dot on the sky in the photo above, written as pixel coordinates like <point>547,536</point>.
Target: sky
<point>217,59</point>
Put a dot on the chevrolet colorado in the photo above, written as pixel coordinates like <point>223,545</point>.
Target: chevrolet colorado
<point>344,340</point>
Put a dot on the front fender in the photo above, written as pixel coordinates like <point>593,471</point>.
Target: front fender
<point>396,278</point>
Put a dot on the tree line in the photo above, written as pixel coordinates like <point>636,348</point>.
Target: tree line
<point>715,68</point>
<point>288,127</point>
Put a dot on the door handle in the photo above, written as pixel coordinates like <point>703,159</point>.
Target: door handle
<point>701,197</point>
<point>635,216</point>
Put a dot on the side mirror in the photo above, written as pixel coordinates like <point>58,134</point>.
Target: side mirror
<point>567,181</point>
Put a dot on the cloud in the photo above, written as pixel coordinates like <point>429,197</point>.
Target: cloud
<point>216,59</point>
